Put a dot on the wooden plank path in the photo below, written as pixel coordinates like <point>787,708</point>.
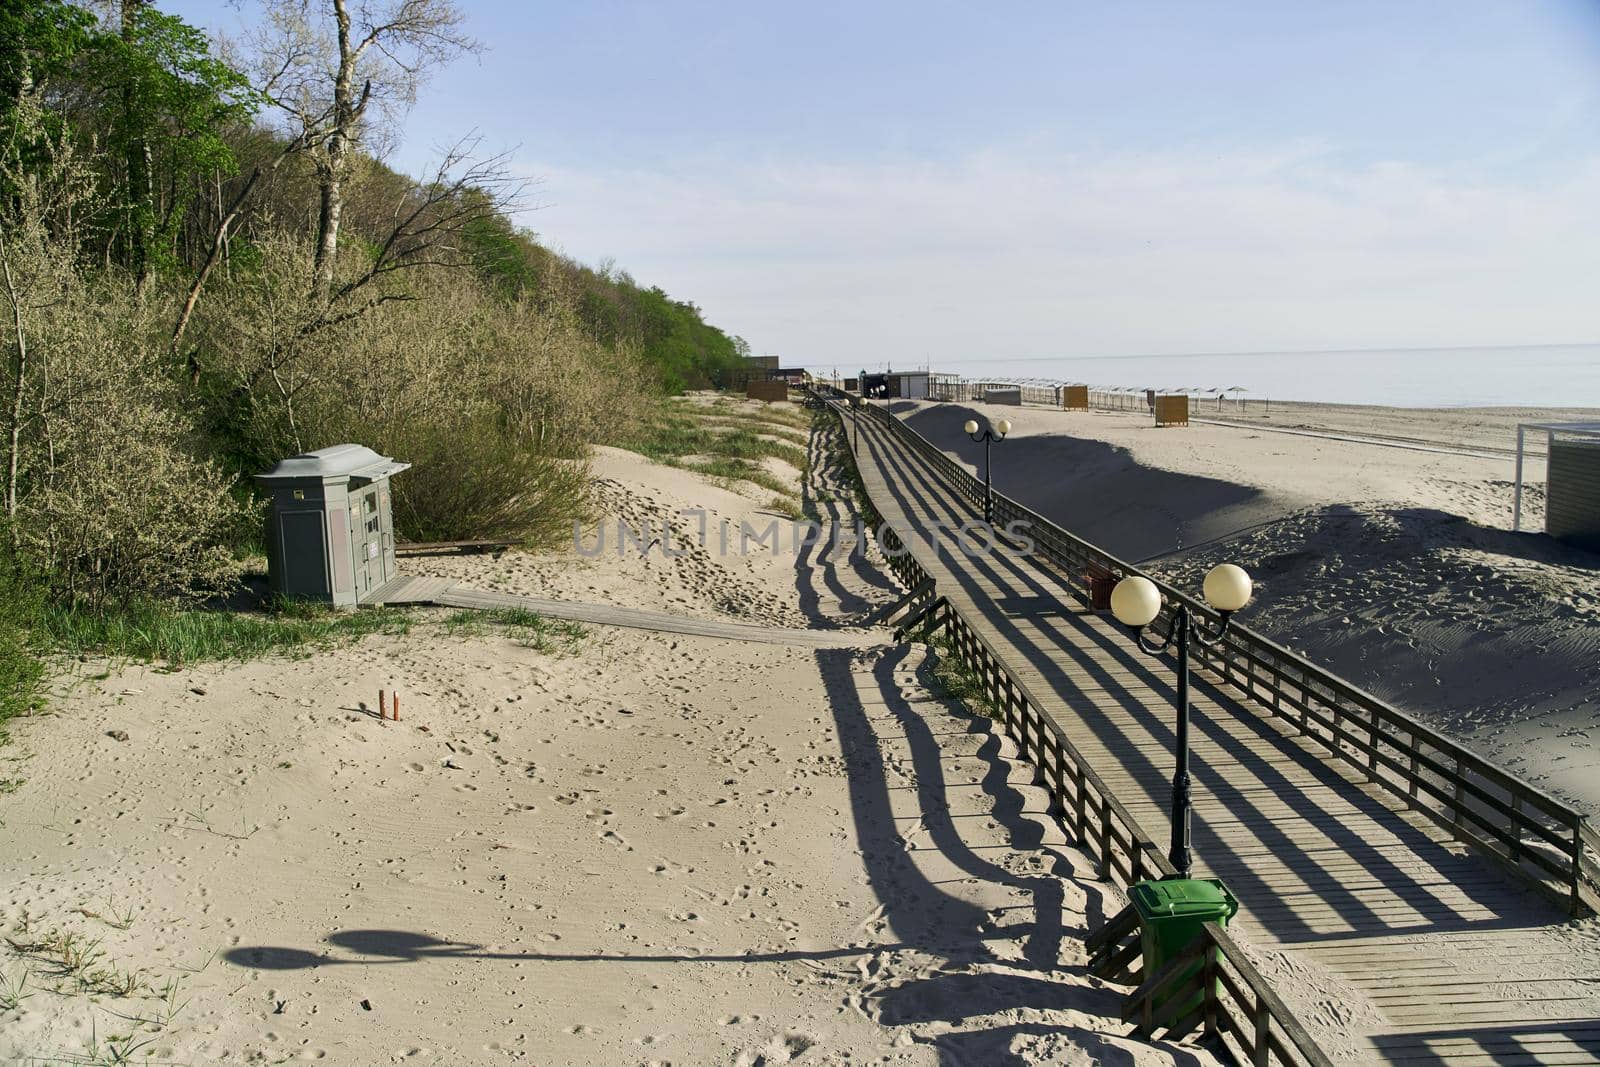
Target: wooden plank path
<point>445,592</point>
<point>1343,892</point>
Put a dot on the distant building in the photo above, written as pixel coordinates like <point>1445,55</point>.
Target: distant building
<point>753,369</point>
<point>909,384</point>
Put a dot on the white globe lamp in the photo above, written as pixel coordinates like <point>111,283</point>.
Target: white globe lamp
<point>1227,587</point>
<point>1135,601</point>
<point>1004,426</point>
<point>971,426</point>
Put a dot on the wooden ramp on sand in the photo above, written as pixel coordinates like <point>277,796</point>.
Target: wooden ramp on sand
<point>1432,951</point>
<point>444,592</point>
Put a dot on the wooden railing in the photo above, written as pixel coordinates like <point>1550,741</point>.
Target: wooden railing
<point>1211,986</point>
<point>1105,830</point>
<point>1535,835</point>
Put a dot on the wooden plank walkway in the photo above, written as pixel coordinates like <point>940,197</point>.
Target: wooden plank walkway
<point>445,592</point>
<point>1343,892</point>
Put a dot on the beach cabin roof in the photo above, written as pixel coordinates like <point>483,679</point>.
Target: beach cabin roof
<point>355,462</point>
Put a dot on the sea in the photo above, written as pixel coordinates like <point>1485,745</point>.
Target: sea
<point>1519,376</point>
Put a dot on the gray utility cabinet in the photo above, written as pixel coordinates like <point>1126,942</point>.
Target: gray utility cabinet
<point>330,533</point>
<point>1572,492</point>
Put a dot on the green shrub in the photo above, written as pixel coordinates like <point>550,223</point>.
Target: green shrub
<point>469,479</point>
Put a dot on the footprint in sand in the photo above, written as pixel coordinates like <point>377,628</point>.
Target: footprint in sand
<point>783,1048</point>
<point>611,837</point>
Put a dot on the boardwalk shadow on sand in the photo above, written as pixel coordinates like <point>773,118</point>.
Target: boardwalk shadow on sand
<point>989,1011</point>
<point>834,568</point>
<point>948,939</point>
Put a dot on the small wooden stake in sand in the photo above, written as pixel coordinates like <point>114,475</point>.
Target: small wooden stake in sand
<point>383,707</point>
<point>397,705</point>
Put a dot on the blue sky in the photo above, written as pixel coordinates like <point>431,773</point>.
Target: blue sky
<point>957,182</point>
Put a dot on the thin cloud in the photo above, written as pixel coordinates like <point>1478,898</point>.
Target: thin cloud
<point>1009,254</point>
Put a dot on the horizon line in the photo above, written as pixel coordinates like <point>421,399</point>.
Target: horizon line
<point>1255,352</point>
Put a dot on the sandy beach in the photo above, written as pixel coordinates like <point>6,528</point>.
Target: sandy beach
<point>595,846</point>
<point>1394,566</point>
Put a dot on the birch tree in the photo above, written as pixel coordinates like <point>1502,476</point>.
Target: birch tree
<point>337,70</point>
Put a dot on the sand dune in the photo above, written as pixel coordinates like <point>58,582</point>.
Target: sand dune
<point>632,848</point>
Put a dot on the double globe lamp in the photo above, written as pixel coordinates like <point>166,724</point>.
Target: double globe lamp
<point>1135,602</point>
<point>988,437</point>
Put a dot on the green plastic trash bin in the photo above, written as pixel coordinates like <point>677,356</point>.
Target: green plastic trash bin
<point>1171,913</point>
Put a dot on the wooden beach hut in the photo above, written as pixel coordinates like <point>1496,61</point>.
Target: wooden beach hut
<point>1572,481</point>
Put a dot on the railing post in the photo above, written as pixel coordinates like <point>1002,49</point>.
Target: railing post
<point>1260,1054</point>
<point>1058,783</point>
<point>1577,864</point>
<point>1516,827</point>
<point>1455,809</point>
<point>1372,740</point>
<point>1105,836</point>
<point>1411,784</point>
<point>1209,982</point>
<point>1079,801</point>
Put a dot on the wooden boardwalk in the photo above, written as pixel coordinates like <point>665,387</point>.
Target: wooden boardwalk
<point>1375,923</point>
<point>446,593</point>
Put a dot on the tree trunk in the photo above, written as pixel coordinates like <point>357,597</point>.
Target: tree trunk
<point>329,211</point>
<point>19,369</point>
<point>335,156</point>
<point>219,242</point>
<point>140,196</point>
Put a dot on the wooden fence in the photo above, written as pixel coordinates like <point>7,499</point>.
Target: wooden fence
<point>1106,831</point>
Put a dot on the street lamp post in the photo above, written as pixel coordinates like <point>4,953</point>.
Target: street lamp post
<point>988,437</point>
<point>861,398</point>
<point>1136,602</point>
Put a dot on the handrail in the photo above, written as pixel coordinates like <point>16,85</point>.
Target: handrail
<point>1197,988</point>
<point>1440,778</point>
<point>1107,831</point>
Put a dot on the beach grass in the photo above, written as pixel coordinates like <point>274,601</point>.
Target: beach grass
<point>732,407</point>
<point>157,632</point>
<point>22,673</point>
<point>954,680</point>
<point>673,435</point>
<point>524,627</point>
<point>692,439</point>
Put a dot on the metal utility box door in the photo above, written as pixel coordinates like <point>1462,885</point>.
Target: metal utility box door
<point>330,532</point>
